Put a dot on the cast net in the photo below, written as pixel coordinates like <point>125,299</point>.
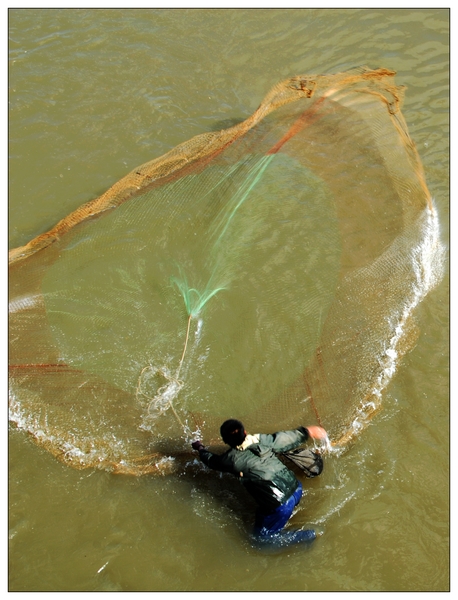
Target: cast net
<point>267,272</point>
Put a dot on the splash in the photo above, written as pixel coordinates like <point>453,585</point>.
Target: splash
<point>427,263</point>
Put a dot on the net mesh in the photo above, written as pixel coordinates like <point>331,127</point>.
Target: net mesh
<point>267,272</point>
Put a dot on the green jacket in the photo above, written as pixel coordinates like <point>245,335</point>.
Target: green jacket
<point>255,462</point>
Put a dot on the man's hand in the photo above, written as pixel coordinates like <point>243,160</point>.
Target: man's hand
<point>317,433</point>
<point>197,445</point>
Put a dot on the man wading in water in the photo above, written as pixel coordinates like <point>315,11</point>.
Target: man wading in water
<point>275,488</point>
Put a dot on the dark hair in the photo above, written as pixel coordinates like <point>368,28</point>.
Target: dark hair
<point>233,432</point>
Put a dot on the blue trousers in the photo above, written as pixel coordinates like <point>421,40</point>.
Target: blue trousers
<point>268,527</point>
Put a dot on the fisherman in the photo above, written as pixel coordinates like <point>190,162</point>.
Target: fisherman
<point>275,488</point>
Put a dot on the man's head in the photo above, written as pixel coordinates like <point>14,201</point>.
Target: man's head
<point>233,432</point>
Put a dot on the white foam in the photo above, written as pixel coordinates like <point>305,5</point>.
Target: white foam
<point>199,330</point>
<point>69,448</point>
<point>427,261</point>
<point>24,303</point>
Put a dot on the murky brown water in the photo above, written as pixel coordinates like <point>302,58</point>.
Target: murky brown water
<point>92,95</point>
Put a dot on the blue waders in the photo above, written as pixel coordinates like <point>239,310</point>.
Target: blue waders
<point>268,526</point>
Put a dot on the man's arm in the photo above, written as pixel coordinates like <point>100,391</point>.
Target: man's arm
<point>213,461</point>
<point>282,441</point>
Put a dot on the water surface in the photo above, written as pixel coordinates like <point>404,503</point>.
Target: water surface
<point>92,94</point>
